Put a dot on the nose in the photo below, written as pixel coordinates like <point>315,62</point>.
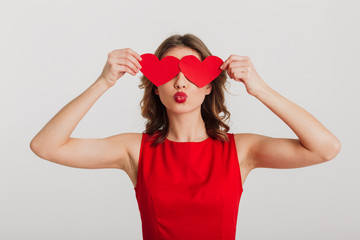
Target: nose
<point>181,81</point>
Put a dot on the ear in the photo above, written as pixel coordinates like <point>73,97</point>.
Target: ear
<point>156,90</point>
<point>208,88</point>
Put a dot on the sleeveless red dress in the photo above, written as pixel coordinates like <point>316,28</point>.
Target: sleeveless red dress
<point>188,190</point>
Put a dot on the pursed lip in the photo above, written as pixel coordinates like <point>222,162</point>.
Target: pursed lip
<point>180,94</point>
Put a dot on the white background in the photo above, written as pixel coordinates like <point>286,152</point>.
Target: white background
<point>51,51</point>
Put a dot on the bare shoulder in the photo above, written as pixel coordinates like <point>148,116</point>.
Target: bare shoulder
<point>132,144</point>
<point>242,145</point>
<point>243,142</point>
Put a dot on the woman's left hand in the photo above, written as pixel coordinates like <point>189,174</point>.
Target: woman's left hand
<point>241,69</point>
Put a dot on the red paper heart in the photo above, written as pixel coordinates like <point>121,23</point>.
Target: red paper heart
<point>159,71</point>
<point>201,73</point>
<point>162,71</point>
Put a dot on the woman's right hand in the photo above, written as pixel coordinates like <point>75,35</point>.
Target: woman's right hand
<point>118,63</point>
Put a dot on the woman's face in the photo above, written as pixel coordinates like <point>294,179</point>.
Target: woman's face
<point>195,95</point>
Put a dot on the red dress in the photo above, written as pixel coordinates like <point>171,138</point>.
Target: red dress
<point>188,190</point>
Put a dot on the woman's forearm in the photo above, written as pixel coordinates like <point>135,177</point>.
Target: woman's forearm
<point>58,130</point>
<point>311,133</point>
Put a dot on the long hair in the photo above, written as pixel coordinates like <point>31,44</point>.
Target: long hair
<point>154,111</point>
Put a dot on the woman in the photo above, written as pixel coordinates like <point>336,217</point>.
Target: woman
<point>191,170</point>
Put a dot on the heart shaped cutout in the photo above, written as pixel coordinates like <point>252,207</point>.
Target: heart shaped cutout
<point>201,73</point>
<point>159,71</point>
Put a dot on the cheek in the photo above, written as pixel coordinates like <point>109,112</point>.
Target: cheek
<point>198,98</point>
<point>165,98</point>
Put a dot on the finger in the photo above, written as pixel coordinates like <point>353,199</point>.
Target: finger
<point>134,60</point>
<point>239,76</point>
<point>239,63</point>
<point>237,66</point>
<point>129,62</point>
<point>231,59</point>
<point>129,50</point>
<point>124,68</point>
<point>135,54</point>
<point>239,70</point>
<point>131,55</point>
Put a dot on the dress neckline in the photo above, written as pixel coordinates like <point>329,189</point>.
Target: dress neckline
<point>208,138</point>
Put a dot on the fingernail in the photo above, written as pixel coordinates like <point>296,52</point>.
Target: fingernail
<point>222,66</point>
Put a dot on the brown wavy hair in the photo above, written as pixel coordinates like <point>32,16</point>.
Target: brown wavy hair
<point>154,111</point>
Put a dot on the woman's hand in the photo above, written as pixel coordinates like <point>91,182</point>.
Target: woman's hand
<point>118,63</point>
<point>241,69</point>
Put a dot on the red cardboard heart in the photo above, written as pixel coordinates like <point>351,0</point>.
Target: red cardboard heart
<point>162,71</point>
<point>159,71</point>
<point>200,73</point>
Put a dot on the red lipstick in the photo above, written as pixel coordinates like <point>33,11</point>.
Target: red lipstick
<point>180,97</point>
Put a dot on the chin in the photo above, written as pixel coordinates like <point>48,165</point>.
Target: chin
<point>180,108</point>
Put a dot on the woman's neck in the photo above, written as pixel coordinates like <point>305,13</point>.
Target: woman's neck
<point>186,127</point>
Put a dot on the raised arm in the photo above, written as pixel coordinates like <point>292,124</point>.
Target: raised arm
<point>316,144</point>
<point>54,143</point>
